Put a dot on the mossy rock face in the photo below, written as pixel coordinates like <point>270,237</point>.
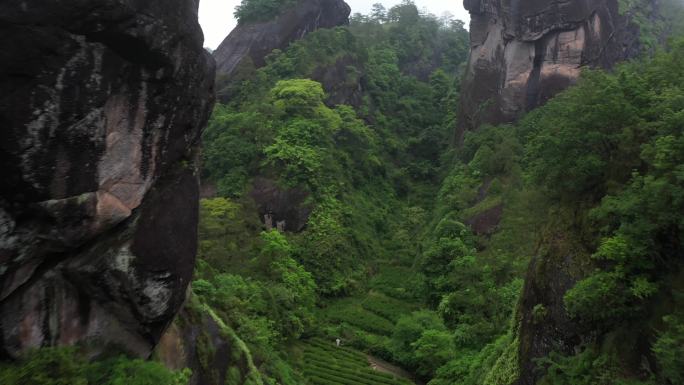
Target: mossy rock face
<point>484,218</point>
<point>211,349</point>
<point>228,86</point>
<point>171,349</point>
<point>506,369</point>
<point>342,81</point>
<point>545,326</point>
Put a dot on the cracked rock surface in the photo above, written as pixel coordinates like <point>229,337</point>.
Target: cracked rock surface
<point>525,52</point>
<point>102,103</point>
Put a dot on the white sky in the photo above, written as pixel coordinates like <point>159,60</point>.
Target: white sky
<point>216,16</point>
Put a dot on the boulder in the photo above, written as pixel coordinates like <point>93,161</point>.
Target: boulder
<point>102,103</point>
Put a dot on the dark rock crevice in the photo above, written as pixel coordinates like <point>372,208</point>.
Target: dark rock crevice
<point>537,49</point>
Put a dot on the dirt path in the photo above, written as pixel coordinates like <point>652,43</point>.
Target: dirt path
<point>385,367</point>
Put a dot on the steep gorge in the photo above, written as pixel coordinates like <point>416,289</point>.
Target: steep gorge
<point>336,207</point>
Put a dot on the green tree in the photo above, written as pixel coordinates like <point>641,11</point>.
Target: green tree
<point>378,13</point>
<point>433,349</point>
<point>300,147</point>
<point>409,330</point>
<point>260,10</point>
<point>669,348</point>
<point>48,366</point>
<point>294,291</point>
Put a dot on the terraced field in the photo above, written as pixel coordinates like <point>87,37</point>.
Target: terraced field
<point>377,310</point>
<point>351,311</point>
<point>326,364</point>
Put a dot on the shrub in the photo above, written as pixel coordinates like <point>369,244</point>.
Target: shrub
<point>599,297</point>
<point>669,350</point>
<point>260,10</point>
<point>65,366</point>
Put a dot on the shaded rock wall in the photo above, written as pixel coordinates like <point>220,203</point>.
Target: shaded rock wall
<point>199,340</point>
<point>525,52</point>
<point>101,107</point>
<point>281,208</point>
<point>550,275</point>
<point>522,54</point>
<point>247,46</point>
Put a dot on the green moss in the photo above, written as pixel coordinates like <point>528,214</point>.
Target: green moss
<point>505,370</point>
<point>239,350</point>
<point>233,376</point>
<point>206,354</point>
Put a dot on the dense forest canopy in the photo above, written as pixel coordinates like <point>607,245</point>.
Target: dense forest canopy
<point>418,250</point>
<point>368,147</point>
<point>398,270</point>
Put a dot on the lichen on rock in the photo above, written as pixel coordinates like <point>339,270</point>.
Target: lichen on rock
<point>102,103</point>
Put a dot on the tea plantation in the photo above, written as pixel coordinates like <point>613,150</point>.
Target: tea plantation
<point>327,364</point>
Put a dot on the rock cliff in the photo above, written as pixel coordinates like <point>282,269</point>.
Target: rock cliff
<point>524,52</point>
<point>247,46</point>
<point>201,341</point>
<point>101,107</point>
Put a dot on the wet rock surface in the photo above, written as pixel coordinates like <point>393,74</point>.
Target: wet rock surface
<point>525,52</point>
<point>101,107</point>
